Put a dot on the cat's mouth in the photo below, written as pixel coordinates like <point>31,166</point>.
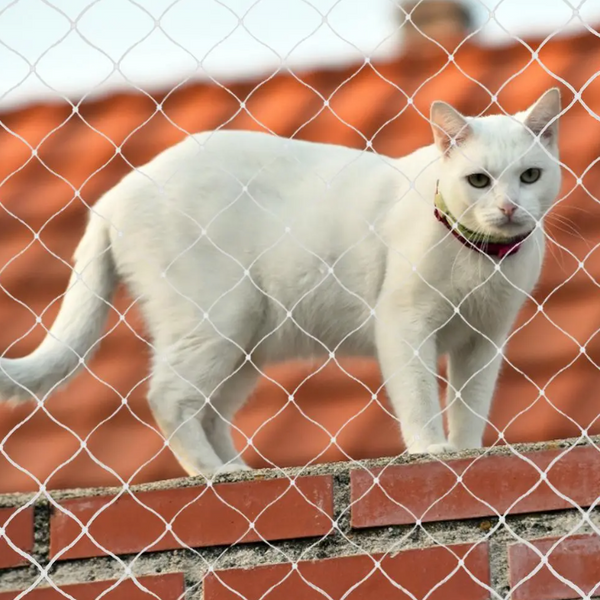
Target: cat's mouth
<point>509,228</point>
<point>479,223</point>
<point>499,224</point>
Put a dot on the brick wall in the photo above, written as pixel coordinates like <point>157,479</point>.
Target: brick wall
<point>520,521</point>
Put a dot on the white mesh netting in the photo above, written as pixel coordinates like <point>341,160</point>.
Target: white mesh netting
<point>275,103</point>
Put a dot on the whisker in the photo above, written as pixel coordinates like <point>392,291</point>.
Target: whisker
<point>585,211</point>
<point>558,253</point>
<point>562,219</point>
<point>569,229</point>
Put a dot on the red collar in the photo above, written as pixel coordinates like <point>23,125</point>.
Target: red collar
<point>499,249</point>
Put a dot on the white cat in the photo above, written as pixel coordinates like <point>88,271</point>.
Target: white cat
<point>244,248</point>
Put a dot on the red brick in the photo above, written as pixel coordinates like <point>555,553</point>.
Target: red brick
<point>357,578</point>
<point>490,485</point>
<point>200,516</point>
<point>165,587</point>
<point>576,559</point>
<point>20,532</point>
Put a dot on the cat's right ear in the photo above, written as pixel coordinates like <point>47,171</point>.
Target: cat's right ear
<point>450,128</point>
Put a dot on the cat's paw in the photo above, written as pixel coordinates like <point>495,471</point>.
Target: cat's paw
<point>446,448</point>
<point>232,468</point>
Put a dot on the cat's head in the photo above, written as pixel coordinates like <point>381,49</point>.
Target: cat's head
<point>499,174</point>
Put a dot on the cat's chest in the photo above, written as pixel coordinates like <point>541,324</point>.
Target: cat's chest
<point>475,305</point>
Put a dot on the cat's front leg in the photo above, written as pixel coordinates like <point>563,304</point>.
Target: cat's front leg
<point>408,359</point>
<point>473,372</point>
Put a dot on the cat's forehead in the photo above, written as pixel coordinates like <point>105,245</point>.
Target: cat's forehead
<point>503,129</point>
<point>499,141</point>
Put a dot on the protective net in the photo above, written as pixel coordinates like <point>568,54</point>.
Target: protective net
<point>516,518</point>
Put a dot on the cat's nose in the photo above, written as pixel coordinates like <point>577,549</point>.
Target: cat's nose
<point>508,209</point>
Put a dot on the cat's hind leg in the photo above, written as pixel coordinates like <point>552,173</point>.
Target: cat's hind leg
<point>186,380</point>
<point>218,418</point>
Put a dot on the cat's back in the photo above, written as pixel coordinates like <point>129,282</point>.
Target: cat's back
<point>212,170</point>
<point>250,184</point>
<point>250,152</point>
<point>244,158</point>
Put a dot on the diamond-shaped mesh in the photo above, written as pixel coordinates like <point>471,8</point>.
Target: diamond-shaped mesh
<point>376,102</point>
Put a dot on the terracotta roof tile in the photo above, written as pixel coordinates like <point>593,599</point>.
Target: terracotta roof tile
<point>77,162</point>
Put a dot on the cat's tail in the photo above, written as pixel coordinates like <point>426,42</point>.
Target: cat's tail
<point>75,333</point>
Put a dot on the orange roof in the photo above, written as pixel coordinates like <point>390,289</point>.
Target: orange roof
<point>80,154</point>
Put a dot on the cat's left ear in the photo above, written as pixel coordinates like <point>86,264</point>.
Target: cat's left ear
<point>542,117</point>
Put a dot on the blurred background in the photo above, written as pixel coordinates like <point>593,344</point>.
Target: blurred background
<point>90,89</point>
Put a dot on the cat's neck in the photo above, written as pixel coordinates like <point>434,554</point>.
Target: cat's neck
<point>424,155</point>
<point>419,170</point>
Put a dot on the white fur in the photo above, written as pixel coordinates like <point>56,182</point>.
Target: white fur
<point>246,246</point>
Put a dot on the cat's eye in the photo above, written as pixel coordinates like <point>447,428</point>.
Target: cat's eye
<point>531,175</point>
<point>479,180</point>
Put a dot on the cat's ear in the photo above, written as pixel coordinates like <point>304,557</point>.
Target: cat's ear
<point>450,128</point>
<point>542,118</point>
